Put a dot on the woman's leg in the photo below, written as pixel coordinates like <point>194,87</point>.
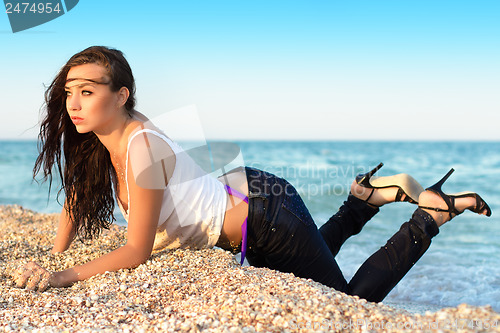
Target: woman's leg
<point>283,236</point>
<point>287,239</point>
<point>361,205</point>
<point>348,221</point>
<point>386,267</point>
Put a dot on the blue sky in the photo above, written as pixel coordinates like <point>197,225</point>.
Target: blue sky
<point>303,70</point>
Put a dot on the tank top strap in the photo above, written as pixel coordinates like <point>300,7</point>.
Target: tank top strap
<point>236,193</point>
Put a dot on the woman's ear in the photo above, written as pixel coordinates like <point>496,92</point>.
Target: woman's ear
<point>123,95</point>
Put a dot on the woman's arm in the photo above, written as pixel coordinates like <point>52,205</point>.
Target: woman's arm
<point>146,188</point>
<point>65,233</point>
<point>144,208</point>
<point>145,205</point>
<point>144,212</point>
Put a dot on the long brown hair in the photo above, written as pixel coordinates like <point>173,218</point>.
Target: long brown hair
<point>82,161</point>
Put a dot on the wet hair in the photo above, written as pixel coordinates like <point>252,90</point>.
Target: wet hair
<point>82,162</point>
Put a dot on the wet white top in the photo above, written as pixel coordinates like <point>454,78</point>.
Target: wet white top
<point>194,202</point>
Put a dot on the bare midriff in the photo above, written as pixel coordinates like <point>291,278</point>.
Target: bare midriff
<point>236,211</point>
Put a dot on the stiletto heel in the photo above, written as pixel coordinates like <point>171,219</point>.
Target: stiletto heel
<point>407,185</point>
<point>437,187</point>
<point>364,179</point>
<point>449,199</point>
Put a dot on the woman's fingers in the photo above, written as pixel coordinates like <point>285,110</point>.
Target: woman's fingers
<point>22,276</point>
<point>44,281</point>
<point>33,277</point>
<point>33,281</point>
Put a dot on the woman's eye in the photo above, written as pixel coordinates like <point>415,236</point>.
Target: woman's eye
<point>68,93</point>
<point>86,93</point>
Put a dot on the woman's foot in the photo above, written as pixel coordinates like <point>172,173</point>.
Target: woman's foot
<point>376,197</point>
<point>378,191</point>
<point>430,201</point>
<point>443,207</point>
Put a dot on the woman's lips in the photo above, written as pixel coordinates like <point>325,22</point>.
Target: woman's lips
<point>76,120</point>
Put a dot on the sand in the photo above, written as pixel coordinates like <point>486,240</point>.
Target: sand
<point>189,291</point>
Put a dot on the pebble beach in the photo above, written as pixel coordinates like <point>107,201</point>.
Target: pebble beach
<point>189,291</point>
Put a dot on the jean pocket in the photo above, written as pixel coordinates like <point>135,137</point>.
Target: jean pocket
<point>295,205</point>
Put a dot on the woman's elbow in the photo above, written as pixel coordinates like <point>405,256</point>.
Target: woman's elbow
<point>142,259</point>
<point>139,257</point>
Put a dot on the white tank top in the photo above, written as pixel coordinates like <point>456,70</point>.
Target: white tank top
<point>194,203</point>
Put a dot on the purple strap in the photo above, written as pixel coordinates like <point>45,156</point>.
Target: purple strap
<point>243,240</point>
<point>243,197</point>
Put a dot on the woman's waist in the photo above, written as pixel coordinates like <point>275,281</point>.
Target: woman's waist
<point>236,208</point>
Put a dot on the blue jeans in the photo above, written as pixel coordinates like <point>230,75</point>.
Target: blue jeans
<point>282,235</point>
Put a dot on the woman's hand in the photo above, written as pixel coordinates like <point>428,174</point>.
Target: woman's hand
<point>32,277</point>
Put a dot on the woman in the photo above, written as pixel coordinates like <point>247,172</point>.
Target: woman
<point>110,149</point>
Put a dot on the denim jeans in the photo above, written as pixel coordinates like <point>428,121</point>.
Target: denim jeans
<point>282,235</point>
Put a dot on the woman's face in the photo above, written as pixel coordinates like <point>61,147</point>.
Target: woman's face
<point>90,102</point>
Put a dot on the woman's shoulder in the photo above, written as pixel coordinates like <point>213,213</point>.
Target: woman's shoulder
<point>142,129</point>
<point>147,146</point>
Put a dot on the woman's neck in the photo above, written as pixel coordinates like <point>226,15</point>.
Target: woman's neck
<point>115,138</point>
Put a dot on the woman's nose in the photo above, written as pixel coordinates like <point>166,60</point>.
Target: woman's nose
<point>73,104</point>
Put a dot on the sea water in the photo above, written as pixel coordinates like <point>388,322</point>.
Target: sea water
<point>462,264</point>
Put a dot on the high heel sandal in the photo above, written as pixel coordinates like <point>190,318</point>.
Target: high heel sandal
<point>407,185</point>
<point>449,199</point>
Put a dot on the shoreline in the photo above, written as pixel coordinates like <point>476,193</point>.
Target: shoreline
<point>191,291</point>
<point>414,308</point>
